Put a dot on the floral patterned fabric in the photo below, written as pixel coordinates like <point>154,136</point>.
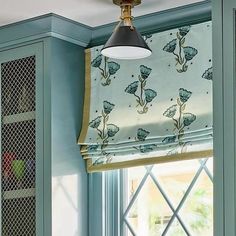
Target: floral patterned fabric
<point>154,107</point>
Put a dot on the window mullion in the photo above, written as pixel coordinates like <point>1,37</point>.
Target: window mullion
<point>175,214</point>
<point>207,170</point>
<point>137,192</point>
<point>123,199</point>
<point>130,227</point>
<point>186,193</point>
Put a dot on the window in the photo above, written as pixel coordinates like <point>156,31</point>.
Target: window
<point>173,199</point>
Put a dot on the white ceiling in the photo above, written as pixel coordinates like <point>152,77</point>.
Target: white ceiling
<point>89,12</point>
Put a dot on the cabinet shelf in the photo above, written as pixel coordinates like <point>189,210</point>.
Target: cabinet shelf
<point>19,117</point>
<point>21,193</point>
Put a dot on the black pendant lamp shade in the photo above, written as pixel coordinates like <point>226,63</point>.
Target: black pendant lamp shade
<point>126,43</point>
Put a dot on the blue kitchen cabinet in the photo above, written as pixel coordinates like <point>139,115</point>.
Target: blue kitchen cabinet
<point>43,178</point>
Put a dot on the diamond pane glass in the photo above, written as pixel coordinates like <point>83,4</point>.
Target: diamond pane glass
<point>127,230</point>
<point>197,211</point>
<point>210,165</point>
<point>150,213</point>
<point>176,199</point>
<point>18,133</point>
<point>135,177</point>
<point>175,178</point>
<point>176,229</point>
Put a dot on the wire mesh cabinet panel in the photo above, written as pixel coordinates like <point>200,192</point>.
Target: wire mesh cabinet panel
<point>20,158</point>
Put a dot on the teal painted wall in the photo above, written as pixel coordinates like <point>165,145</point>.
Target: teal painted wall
<point>69,177</point>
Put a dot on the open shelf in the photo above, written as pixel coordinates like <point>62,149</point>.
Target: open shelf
<point>21,193</point>
<point>18,117</point>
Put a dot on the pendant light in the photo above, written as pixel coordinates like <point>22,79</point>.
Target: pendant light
<point>126,42</point>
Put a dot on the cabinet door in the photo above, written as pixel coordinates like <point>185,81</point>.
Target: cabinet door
<point>21,81</point>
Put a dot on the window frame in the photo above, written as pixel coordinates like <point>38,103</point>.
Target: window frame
<point>107,202</point>
<point>224,108</point>
<point>104,203</point>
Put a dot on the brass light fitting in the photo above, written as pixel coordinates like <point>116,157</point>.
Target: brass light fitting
<point>126,42</point>
<point>126,16</point>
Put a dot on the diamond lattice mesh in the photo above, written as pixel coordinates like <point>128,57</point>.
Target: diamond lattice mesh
<point>170,199</point>
<point>18,147</point>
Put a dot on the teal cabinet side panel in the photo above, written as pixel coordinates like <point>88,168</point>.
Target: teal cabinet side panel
<point>69,177</point>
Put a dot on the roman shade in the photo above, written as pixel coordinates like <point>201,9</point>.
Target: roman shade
<point>153,110</point>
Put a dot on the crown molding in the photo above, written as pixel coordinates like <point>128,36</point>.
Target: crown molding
<point>44,26</point>
<point>52,25</point>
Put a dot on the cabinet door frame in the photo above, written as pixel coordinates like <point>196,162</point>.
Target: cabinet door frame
<point>33,49</point>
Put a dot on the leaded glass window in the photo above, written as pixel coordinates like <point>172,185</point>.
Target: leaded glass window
<point>172,199</point>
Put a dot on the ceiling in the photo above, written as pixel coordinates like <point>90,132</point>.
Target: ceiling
<point>89,12</point>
